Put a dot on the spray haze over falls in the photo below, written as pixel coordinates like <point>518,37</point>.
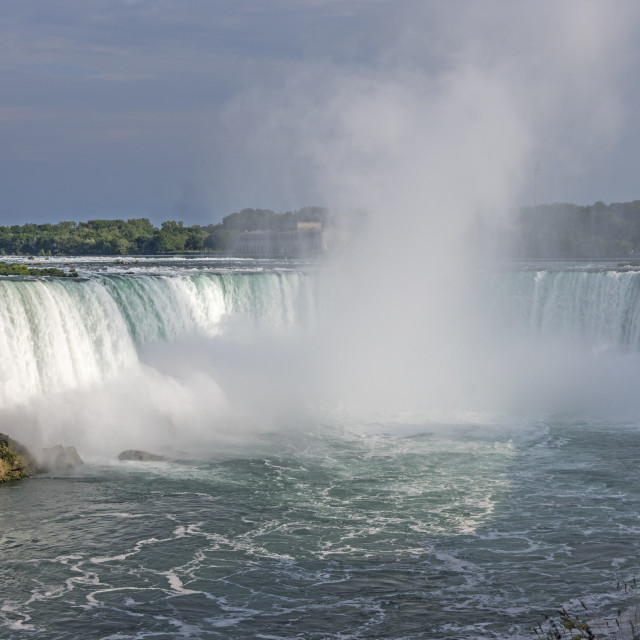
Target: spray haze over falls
<point>119,361</point>
<point>437,139</point>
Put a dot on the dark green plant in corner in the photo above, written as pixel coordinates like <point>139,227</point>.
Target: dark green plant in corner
<point>569,626</point>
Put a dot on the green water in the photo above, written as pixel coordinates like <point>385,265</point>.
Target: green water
<point>367,532</point>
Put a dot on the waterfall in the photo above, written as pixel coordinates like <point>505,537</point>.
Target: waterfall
<point>60,334</point>
<point>598,309</point>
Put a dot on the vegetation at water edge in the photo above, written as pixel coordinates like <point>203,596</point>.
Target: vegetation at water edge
<point>15,461</point>
<point>566,625</point>
<point>7,269</point>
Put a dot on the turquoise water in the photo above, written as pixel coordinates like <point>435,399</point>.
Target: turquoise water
<point>438,532</point>
<point>272,522</point>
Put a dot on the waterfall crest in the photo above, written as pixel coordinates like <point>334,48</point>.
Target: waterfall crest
<point>598,309</point>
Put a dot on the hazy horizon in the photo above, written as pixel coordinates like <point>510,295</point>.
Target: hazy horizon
<point>193,111</point>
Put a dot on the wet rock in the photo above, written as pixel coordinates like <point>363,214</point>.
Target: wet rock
<point>15,460</point>
<point>141,456</point>
<point>59,458</point>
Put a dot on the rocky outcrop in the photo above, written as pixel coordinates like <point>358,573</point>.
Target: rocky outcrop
<point>15,460</point>
<point>141,456</point>
<point>59,458</point>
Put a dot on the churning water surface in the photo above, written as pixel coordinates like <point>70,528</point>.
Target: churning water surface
<point>343,532</point>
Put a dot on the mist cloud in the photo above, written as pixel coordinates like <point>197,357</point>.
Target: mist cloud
<point>430,137</point>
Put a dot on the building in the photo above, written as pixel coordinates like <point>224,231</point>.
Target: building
<point>308,239</point>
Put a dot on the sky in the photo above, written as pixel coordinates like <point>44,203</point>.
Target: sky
<point>193,109</point>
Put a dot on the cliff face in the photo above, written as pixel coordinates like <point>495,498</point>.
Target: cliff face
<point>15,460</point>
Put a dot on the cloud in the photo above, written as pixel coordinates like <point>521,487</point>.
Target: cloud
<point>173,69</point>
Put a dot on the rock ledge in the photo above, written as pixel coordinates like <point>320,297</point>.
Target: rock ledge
<point>141,456</point>
<point>17,462</point>
<point>59,458</point>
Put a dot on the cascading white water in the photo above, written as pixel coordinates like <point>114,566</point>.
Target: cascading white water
<point>534,330</point>
<point>596,309</point>
<point>57,335</point>
<point>166,308</point>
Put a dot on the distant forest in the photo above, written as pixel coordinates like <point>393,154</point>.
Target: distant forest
<point>139,237</point>
<point>569,231</point>
<point>555,231</point>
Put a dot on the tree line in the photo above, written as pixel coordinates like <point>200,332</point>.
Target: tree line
<point>569,231</point>
<point>550,231</point>
<point>137,236</point>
